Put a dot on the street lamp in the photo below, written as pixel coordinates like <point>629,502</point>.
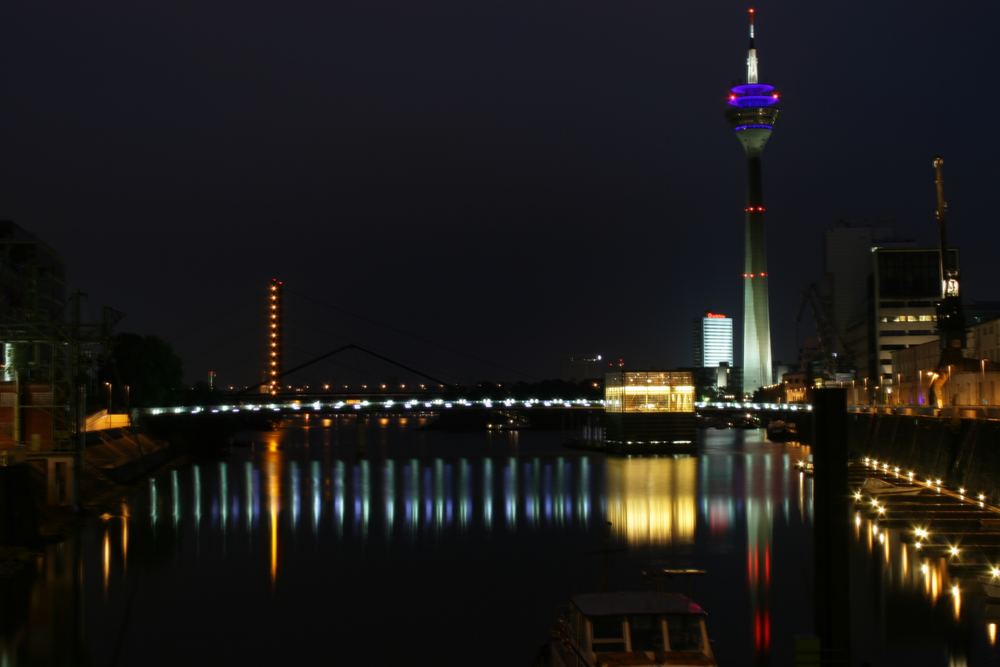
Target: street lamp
<point>128,392</point>
<point>982,385</point>
<point>108,385</point>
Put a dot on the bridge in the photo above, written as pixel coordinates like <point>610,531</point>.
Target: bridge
<point>380,404</point>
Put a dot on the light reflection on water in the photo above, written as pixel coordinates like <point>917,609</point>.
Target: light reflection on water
<point>431,496</point>
<point>740,509</point>
<point>652,501</point>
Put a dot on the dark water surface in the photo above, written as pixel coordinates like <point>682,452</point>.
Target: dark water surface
<point>385,543</point>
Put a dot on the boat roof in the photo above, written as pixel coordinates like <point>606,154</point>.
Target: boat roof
<point>638,602</point>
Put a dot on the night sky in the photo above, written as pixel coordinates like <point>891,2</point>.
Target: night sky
<point>478,188</point>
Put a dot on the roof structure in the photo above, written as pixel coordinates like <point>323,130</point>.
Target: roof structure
<point>637,602</point>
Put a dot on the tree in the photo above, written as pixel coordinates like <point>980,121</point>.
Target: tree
<point>149,367</point>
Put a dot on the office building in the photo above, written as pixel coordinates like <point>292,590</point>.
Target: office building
<point>713,340</point>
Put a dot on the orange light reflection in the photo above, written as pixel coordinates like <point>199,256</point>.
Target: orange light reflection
<point>272,466</point>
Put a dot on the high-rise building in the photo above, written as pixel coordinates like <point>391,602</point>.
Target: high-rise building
<point>713,340</point>
<point>905,287</point>
<point>848,263</point>
<point>753,110</point>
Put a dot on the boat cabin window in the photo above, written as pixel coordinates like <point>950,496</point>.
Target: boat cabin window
<point>684,632</point>
<point>608,633</point>
<point>646,633</point>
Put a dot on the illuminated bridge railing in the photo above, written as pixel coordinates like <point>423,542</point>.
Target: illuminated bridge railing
<point>349,406</point>
<point>356,405</point>
<point>753,407</point>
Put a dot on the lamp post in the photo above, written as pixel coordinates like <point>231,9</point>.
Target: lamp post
<point>982,384</point>
<point>108,385</point>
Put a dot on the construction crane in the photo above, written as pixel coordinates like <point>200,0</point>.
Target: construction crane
<point>950,318</point>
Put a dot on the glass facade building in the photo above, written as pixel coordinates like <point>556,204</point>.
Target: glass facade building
<point>649,411</point>
<point>649,391</point>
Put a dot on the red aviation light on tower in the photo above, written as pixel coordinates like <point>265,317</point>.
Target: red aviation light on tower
<point>272,369</point>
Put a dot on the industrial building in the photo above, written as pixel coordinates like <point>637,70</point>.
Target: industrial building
<point>34,391</point>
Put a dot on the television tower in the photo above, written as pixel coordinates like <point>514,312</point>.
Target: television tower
<point>753,109</point>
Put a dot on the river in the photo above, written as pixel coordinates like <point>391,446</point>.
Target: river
<point>384,542</point>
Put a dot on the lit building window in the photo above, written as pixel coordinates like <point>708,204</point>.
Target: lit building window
<point>649,391</point>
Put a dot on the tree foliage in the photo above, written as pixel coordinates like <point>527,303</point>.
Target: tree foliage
<point>149,366</point>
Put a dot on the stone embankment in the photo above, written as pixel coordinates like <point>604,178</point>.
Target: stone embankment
<point>963,453</point>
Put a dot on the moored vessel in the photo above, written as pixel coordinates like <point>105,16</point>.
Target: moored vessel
<point>638,629</point>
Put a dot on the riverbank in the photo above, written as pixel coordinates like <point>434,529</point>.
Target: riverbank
<point>114,461</point>
<point>962,453</point>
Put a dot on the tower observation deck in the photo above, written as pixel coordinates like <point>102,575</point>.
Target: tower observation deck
<point>752,112</point>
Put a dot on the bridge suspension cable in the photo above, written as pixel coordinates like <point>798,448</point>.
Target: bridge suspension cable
<point>410,334</point>
<point>344,348</point>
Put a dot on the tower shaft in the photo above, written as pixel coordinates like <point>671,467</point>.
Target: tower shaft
<point>756,306</point>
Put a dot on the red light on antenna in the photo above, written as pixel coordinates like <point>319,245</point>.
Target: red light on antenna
<point>751,10</point>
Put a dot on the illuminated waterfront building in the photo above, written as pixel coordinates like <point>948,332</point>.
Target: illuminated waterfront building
<point>753,110</point>
<point>649,408</point>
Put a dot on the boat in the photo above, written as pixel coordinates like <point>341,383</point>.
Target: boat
<point>637,629</point>
<point>748,421</point>
<point>782,431</point>
<point>877,488</point>
<point>991,588</point>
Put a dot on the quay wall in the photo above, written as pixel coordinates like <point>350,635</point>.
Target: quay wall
<point>18,509</point>
<point>961,452</point>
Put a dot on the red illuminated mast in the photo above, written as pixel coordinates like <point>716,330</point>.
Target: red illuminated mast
<point>272,371</point>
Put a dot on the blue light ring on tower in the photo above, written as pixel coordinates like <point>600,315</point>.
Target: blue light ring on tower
<point>750,95</point>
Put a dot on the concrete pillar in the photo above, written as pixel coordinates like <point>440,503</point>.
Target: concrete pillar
<point>60,480</point>
<point>832,524</point>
